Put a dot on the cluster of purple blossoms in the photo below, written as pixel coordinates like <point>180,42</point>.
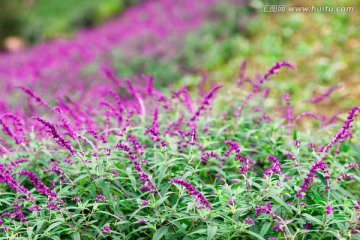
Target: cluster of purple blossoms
<point>18,135</point>
<point>154,130</point>
<point>328,209</point>
<point>319,165</point>
<point>248,164</point>
<point>305,114</point>
<point>357,206</point>
<point>343,132</point>
<point>352,165</point>
<point>296,143</point>
<point>277,227</point>
<point>192,191</point>
<point>275,166</point>
<point>277,66</point>
<point>33,96</point>
<point>144,202</point>
<point>13,184</point>
<point>324,95</point>
<point>266,209</point>
<point>40,186</point>
<point>106,229</point>
<point>60,140</point>
<point>290,155</point>
<point>345,176</point>
<point>76,199</point>
<point>115,173</point>
<point>100,197</point>
<point>186,100</point>
<point>205,102</point>
<point>9,167</point>
<point>148,185</point>
<point>139,148</point>
<point>250,221</point>
<point>205,156</point>
<point>141,221</point>
<point>264,117</point>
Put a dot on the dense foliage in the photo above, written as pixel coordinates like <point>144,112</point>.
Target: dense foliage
<point>125,160</point>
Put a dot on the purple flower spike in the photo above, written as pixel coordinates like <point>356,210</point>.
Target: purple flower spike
<point>249,220</point>
<point>328,209</point>
<point>192,191</point>
<point>100,197</point>
<point>60,140</point>
<point>106,229</point>
<point>277,66</point>
<point>142,221</point>
<point>340,135</point>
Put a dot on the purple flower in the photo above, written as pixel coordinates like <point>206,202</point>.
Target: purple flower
<point>277,66</point>
<point>76,199</point>
<point>106,229</point>
<point>18,135</point>
<point>342,133</point>
<point>192,191</point>
<point>116,174</point>
<point>60,140</point>
<point>141,221</point>
<point>249,220</point>
<point>328,209</point>
<point>100,197</point>
<point>324,95</point>
<point>275,166</point>
<point>265,209</point>
<point>32,95</point>
<point>278,228</point>
<point>40,186</point>
<point>144,202</point>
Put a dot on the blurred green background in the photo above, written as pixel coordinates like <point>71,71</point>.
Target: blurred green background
<point>31,21</point>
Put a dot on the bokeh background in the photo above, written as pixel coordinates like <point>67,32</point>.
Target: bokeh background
<point>184,42</point>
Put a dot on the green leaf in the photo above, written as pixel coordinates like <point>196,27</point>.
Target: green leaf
<point>265,228</point>
<point>76,236</point>
<point>279,200</point>
<point>211,232</point>
<point>313,219</point>
<point>160,232</point>
<point>54,225</point>
<point>254,234</point>
<point>30,232</point>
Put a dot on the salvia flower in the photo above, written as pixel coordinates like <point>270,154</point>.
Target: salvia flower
<point>144,202</point>
<point>100,197</point>
<point>76,199</point>
<point>275,166</point>
<point>249,220</point>
<point>265,209</point>
<point>32,95</point>
<point>319,165</point>
<point>60,140</point>
<point>324,95</point>
<point>328,209</point>
<point>277,66</point>
<point>106,229</point>
<point>339,136</point>
<point>141,221</point>
<point>192,191</point>
<point>18,134</point>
